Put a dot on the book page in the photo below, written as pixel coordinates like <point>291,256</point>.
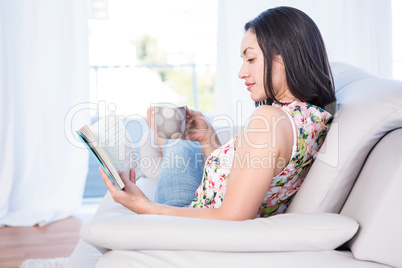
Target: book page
<point>88,138</point>
<point>114,138</point>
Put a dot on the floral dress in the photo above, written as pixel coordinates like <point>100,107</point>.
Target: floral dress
<point>311,123</point>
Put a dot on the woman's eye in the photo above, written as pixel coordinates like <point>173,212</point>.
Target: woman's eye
<point>250,60</point>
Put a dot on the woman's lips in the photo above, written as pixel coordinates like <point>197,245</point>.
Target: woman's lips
<point>249,85</point>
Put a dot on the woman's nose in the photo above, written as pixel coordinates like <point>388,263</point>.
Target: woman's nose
<point>243,73</point>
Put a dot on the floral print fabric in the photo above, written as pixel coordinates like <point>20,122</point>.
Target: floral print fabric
<point>312,124</point>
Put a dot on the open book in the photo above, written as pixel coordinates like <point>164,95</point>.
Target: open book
<point>111,145</point>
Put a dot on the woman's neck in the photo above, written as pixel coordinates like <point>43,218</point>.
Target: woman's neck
<point>286,96</point>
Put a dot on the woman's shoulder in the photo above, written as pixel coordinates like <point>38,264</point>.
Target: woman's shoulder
<point>267,114</point>
<point>266,122</point>
<point>267,111</point>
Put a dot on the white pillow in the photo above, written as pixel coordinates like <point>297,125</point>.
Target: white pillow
<point>285,232</point>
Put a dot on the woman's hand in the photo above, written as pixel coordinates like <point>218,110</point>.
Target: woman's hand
<point>199,129</point>
<point>131,197</point>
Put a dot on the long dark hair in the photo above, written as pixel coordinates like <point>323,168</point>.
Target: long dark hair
<point>289,32</point>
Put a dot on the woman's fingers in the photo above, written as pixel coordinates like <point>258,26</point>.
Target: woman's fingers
<point>132,175</point>
<point>107,181</point>
<point>150,117</point>
<point>124,178</point>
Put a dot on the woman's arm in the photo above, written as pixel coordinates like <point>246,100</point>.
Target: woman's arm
<point>134,199</point>
<point>259,148</point>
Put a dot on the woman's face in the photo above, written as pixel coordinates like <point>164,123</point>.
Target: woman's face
<point>252,70</point>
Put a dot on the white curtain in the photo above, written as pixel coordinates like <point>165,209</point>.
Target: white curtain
<point>358,32</point>
<point>43,74</point>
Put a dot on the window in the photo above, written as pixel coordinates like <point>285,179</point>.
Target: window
<point>149,51</point>
<point>142,52</point>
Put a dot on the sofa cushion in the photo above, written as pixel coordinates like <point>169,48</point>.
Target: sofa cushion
<point>368,108</point>
<point>286,232</point>
<point>375,203</point>
<point>202,259</point>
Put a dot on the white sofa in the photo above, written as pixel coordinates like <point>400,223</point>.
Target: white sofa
<point>346,214</point>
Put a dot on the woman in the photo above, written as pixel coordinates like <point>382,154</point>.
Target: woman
<point>285,67</point>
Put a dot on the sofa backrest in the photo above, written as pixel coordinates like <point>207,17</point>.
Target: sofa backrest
<point>375,202</point>
<point>368,108</point>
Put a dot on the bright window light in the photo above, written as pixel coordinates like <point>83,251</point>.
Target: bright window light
<point>153,51</point>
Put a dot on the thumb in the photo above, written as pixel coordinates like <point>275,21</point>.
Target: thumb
<point>123,177</point>
<point>189,111</point>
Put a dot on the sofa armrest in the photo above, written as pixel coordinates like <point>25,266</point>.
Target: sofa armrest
<point>286,232</point>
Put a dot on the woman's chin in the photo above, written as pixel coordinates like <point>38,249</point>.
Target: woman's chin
<point>258,99</point>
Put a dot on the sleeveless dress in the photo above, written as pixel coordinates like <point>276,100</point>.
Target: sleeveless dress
<point>310,122</point>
